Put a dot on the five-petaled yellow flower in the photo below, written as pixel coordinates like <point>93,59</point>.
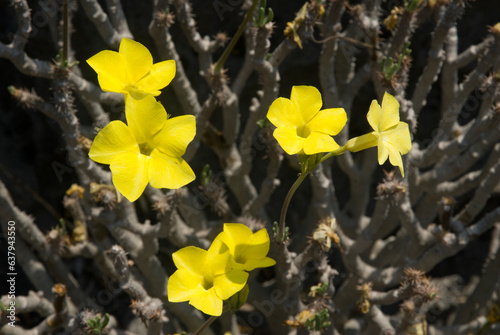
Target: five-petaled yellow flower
<point>148,149</point>
<point>301,127</point>
<point>248,250</point>
<point>391,136</point>
<point>205,278</point>
<point>131,70</point>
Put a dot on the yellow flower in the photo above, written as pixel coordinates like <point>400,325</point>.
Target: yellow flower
<point>248,250</point>
<point>131,70</point>
<point>204,278</point>
<point>149,149</point>
<point>301,127</point>
<point>391,136</point>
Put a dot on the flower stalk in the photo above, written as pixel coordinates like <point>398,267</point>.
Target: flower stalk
<point>207,323</point>
<point>281,234</point>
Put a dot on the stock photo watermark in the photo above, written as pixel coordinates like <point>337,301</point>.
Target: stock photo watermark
<point>11,273</point>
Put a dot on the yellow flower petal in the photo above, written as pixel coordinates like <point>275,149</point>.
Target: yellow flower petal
<point>208,302</point>
<point>183,285</point>
<point>190,258</point>
<point>329,121</point>
<point>385,117</point>
<point>109,83</point>
<point>218,258</point>
<point>308,101</point>
<point>395,157</point>
<point>249,250</point>
<point>383,152</point>
<point>283,112</point>
<point>175,135</point>
<point>169,172</point>
<point>160,75</point>
<point>390,111</point>
<point>114,139</point>
<point>288,139</point>
<point>319,142</point>
<point>374,116</point>
<point>259,263</point>
<point>260,245</point>
<point>399,137</point>
<point>130,174</point>
<point>230,283</point>
<point>145,117</point>
<point>138,59</point>
<point>397,142</point>
<point>110,68</point>
<point>235,233</point>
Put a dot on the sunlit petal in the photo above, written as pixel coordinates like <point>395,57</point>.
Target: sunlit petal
<point>390,112</point>
<point>190,258</point>
<point>329,121</point>
<point>399,137</point>
<point>308,100</point>
<point>183,285</point>
<point>259,263</point>
<point>218,257</point>
<point>383,152</point>
<point>208,302</point>
<point>114,139</point>
<point>130,174</point>
<point>109,63</point>
<point>319,142</point>
<point>138,59</point>
<point>169,172</point>
<point>283,113</point>
<point>145,117</point>
<point>395,157</point>
<point>160,75</point>
<point>234,234</point>
<point>109,83</point>
<point>374,116</point>
<point>259,245</point>
<point>176,134</point>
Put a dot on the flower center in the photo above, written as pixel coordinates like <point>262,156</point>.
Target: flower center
<point>145,149</point>
<point>207,283</point>
<point>303,131</point>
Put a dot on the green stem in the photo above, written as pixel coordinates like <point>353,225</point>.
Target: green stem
<point>220,63</point>
<point>337,152</point>
<point>280,236</point>
<point>64,59</point>
<point>205,325</point>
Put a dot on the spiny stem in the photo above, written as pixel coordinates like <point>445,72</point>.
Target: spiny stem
<point>205,325</point>
<point>280,236</point>
<point>220,63</point>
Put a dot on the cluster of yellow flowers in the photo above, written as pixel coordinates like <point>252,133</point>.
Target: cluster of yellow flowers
<point>149,148</point>
<point>206,278</point>
<point>302,128</point>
